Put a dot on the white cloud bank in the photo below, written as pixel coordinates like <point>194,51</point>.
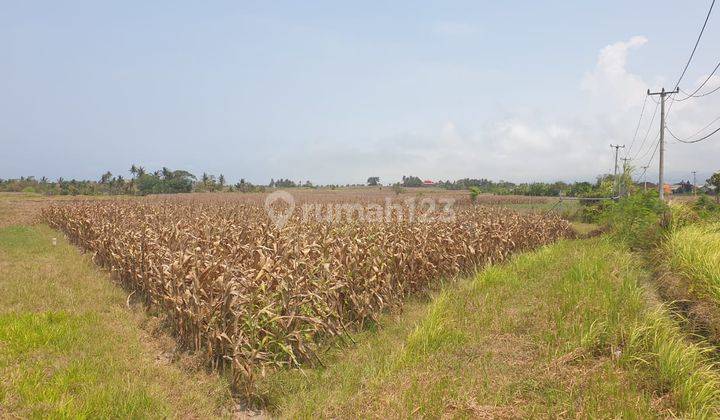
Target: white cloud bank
<point>527,146</point>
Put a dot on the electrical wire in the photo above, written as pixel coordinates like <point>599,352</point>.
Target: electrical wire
<point>657,141</point>
<point>642,112</point>
<point>692,95</point>
<point>691,141</point>
<point>707,93</point>
<point>647,133</point>
<point>653,154</point>
<point>692,54</point>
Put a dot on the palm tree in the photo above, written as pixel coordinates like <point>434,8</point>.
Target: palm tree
<point>140,171</point>
<point>105,177</point>
<point>133,170</point>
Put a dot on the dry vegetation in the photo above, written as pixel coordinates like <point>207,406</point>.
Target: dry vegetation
<point>253,296</point>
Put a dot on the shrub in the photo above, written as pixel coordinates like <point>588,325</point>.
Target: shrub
<point>638,219</point>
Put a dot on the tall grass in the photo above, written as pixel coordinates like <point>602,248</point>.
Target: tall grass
<point>693,251</point>
<point>564,329</point>
<point>682,367</point>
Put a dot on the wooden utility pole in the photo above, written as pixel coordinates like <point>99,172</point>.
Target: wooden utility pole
<point>645,168</point>
<point>616,146</point>
<point>661,175</point>
<point>694,183</point>
<point>624,188</point>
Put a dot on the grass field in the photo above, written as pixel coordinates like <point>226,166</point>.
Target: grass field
<point>573,329</point>
<point>694,252</point>
<point>70,347</point>
<point>567,330</point>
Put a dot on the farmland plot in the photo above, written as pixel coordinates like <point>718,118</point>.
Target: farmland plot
<point>253,295</point>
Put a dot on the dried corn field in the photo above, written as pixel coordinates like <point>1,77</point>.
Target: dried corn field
<point>253,296</point>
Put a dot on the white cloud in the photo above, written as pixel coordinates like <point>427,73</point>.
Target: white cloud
<point>542,144</point>
<point>610,82</point>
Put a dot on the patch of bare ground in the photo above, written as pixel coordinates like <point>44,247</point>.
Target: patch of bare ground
<point>20,210</point>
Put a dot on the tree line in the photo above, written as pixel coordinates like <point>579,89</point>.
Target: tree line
<point>167,181</point>
<point>140,182</point>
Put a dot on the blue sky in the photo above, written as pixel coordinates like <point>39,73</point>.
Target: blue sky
<point>335,92</point>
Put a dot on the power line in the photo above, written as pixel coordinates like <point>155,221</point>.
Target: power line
<point>704,128</point>
<point>642,112</point>
<point>647,133</point>
<point>692,95</point>
<point>650,147</point>
<point>653,154</point>
<point>707,93</point>
<point>692,141</point>
<point>692,54</point>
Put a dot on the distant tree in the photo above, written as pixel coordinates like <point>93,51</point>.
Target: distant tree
<point>221,180</point>
<point>714,180</point>
<point>105,177</point>
<point>411,181</point>
<point>373,181</point>
<point>580,188</point>
<point>685,187</point>
<point>474,193</point>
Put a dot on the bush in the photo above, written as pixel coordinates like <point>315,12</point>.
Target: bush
<point>707,208</point>
<point>592,211</point>
<point>638,219</point>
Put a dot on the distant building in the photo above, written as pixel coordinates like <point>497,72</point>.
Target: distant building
<point>428,183</point>
<point>675,188</point>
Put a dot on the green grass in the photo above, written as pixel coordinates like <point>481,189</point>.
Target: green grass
<point>693,251</point>
<point>563,331</point>
<point>70,348</point>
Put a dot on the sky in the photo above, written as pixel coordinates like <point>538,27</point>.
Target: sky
<point>336,92</point>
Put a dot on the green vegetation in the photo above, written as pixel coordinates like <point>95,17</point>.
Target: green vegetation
<point>714,180</point>
<point>573,329</point>
<point>706,208</point>
<point>602,187</point>
<point>71,348</point>
<point>693,251</point>
<point>636,219</point>
<point>164,181</point>
<point>566,329</point>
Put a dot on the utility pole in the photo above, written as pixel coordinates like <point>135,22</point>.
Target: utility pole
<point>645,180</point>
<point>616,146</point>
<point>661,180</point>
<point>694,183</point>
<point>625,168</point>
